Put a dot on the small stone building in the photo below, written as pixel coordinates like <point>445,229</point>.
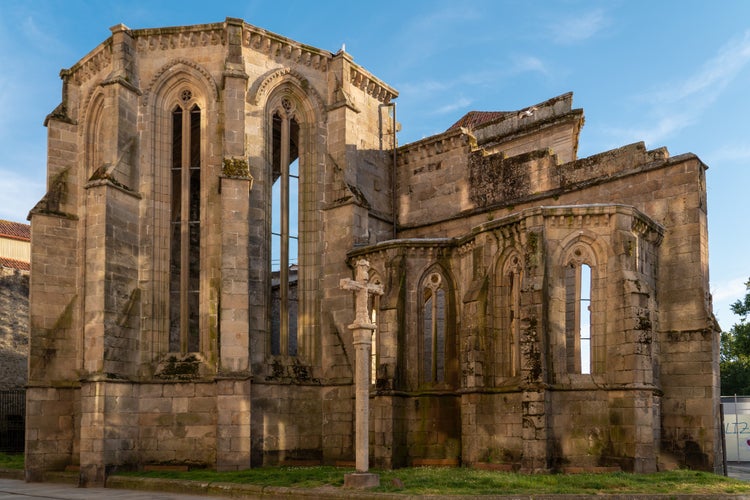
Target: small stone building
<point>210,185</point>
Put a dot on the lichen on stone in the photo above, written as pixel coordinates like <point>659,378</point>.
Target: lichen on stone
<point>235,167</point>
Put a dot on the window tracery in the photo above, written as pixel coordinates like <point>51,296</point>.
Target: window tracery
<point>185,226</point>
<point>507,316</point>
<point>285,229</point>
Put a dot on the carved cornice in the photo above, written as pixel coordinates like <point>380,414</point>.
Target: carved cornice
<point>648,229</point>
<point>435,145</point>
<point>279,47</point>
<point>578,220</point>
<point>413,246</point>
<point>202,35</point>
<point>369,84</point>
<point>95,61</point>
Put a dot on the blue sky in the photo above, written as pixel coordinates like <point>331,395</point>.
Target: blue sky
<point>669,73</point>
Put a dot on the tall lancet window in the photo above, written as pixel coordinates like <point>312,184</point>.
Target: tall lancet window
<point>284,231</point>
<point>185,230</point>
<point>433,329</point>
<point>578,318</point>
<point>374,305</point>
<point>509,334</point>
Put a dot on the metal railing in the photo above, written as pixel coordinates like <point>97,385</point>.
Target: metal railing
<point>12,421</point>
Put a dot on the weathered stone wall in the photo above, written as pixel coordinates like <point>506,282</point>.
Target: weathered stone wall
<point>432,179</point>
<point>287,424</point>
<point>433,429</point>
<point>178,423</point>
<point>107,390</point>
<point>14,327</point>
<point>52,429</point>
<point>593,428</point>
<point>53,300</point>
<point>551,125</point>
<point>492,428</point>
<point>337,419</point>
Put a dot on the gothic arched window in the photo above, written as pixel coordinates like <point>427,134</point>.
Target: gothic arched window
<point>579,337</point>
<point>185,226</point>
<point>374,307</point>
<point>507,317</point>
<point>436,340</point>
<point>285,230</point>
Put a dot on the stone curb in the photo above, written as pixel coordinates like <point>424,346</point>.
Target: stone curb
<point>12,473</point>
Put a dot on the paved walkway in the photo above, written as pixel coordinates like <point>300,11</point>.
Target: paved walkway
<point>19,490</point>
<point>739,470</point>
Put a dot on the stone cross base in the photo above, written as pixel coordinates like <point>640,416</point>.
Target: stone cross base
<point>361,480</point>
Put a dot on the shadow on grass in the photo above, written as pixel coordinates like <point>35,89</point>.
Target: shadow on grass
<point>467,481</point>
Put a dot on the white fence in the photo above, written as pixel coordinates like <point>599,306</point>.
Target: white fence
<point>737,427</point>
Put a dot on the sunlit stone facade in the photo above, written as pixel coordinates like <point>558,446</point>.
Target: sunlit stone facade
<point>208,188</point>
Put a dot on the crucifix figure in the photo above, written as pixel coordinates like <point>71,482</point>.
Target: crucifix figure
<point>362,329</point>
<point>362,289</point>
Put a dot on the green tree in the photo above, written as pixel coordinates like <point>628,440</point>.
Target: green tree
<point>735,351</point>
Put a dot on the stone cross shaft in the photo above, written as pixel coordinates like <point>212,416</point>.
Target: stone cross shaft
<point>362,289</point>
<point>362,329</point>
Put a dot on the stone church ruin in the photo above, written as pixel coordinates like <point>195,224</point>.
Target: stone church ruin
<point>209,187</point>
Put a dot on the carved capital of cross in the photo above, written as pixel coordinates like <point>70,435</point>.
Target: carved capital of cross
<point>362,289</point>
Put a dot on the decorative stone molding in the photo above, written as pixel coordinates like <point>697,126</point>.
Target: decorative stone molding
<point>170,67</point>
<point>202,35</point>
<point>97,60</point>
<point>371,85</point>
<point>435,145</point>
<point>278,47</point>
<point>262,87</point>
<point>648,229</point>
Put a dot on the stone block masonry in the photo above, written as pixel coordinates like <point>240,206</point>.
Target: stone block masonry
<point>540,311</point>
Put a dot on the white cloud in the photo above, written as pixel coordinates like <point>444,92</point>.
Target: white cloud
<point>578,28</point>
<point>731,290</point>
<point>527,64</point>
<point>679,104</point>
<point>433,89</point>
<point>42,39</point>
<point>655,132</point>
<point>460,103</point>
<point>705,85</point>
<point>724,294</point>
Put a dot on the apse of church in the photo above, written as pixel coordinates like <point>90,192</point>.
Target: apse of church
<point>209,187</point>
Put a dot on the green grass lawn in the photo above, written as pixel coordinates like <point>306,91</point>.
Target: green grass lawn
<point>459,481</point>
<point>466,481</point>
<point>11,460</point>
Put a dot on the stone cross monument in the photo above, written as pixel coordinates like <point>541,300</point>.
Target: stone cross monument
<point>362,329</point>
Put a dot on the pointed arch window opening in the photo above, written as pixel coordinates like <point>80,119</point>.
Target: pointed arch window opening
<point>434,330</point>
<point>374,305</point>
<point>285,231</point>
<point>506,319</point>
<point>578,282</point>
<point>185,227</point>
<point>584,307</point>
<point>513,330</point>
